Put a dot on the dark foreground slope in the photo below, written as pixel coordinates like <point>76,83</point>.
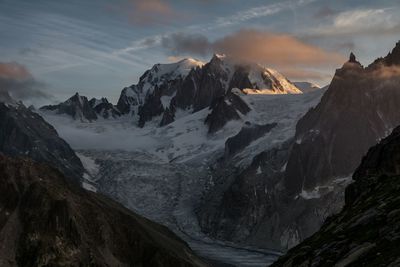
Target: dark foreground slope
<point>367,231</point>
<point>25,133</point>
<point>45,221</point>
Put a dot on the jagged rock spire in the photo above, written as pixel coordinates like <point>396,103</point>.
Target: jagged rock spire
<point>352,58</point>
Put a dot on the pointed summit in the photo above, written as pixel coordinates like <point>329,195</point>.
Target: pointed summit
<point>217,58</point>
<point>352,58</point>
<point>352,62</point>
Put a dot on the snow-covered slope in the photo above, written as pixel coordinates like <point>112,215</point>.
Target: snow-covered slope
<point>187,137</point>
<point>162,80</point>
<point>165,73</point>
<point>269,81</point>
<point>307,87</point>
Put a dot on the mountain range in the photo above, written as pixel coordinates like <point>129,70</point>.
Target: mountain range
<point>188,85</point>
<point>231,156</point>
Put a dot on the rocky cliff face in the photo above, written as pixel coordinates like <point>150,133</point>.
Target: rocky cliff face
<point>328,141</point>
<point>104,109</point>
<point>25,133</point>
<point>281,205</point>
<point>247,134</point>
<point>45,221</point>
<point>365,232</point>
<point>224,109</point>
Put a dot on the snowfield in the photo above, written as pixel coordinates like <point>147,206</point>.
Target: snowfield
<point>162,172</point>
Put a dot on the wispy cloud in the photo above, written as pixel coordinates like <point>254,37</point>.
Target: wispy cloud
<point>151,12</point>
<point>222,21</point>
<point>362,22</point>
<point>258,12</point>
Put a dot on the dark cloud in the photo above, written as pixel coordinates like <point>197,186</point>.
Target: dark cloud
<point>325,12</point>
<point>28,51</point>
<point>19,83</point>
<point>179,43</point>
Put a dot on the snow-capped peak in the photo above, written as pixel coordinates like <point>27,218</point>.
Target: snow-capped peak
<point>268,81</point>
<point>161,73</point>
<point>180,68</point>
<point>220,56</point>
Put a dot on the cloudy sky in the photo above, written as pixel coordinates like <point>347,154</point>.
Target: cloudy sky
<point>57,47</point>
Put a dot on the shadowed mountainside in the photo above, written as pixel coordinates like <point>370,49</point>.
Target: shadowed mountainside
<point>46,221</point>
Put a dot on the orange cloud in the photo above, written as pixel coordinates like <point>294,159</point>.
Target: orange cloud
<point>14,71</point>
<point>16,80</point>
<point>279,50</point>
<point>288,54</point>
<point>386,72</point>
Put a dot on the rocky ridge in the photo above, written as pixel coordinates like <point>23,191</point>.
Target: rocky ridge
<point>80,108</point>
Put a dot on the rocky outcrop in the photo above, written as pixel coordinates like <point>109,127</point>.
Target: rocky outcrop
<point>239,200</point>
<point>152,107</point>
<point>168,116</point>
<point>45,221</point>
<point>248,133</point>
<point>25,133</point>
<point>104,109</point>
<point>366,232</point>
<point>78,107</point>
<point>225,109</point>
<point>129,100</point>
